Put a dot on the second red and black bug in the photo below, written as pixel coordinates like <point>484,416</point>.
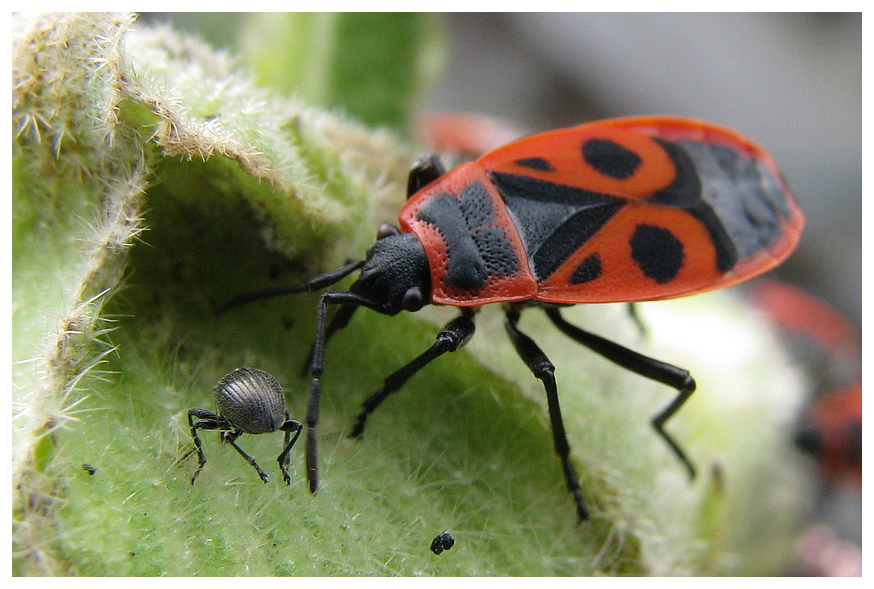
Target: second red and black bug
<point>620,210</point>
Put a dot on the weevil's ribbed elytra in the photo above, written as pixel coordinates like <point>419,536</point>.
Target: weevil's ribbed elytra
<point>251,400</point>
<point>623,210</point>
<point>248,401</point>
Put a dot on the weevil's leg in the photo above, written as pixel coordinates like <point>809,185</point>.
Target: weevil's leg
<point>316,283</point>
<point>453,336</point>
<point>643,365</point>
<point>230,437</point>
<point>316,366</point>
<point>638,321</point>
<point>207,420</point>
<point>289,426</point>
<point>544,370</point>
<point>423,172</point>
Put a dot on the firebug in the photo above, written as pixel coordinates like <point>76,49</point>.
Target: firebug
<point>834,435</point>
<point>828,346</point>
<point>619,210</point>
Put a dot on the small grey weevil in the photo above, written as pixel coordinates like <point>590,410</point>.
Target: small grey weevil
<point>248,401</point>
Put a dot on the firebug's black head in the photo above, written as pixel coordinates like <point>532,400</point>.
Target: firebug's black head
<point>395,275</point>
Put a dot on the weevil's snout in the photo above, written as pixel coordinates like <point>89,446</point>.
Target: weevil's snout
<point>395,274</point>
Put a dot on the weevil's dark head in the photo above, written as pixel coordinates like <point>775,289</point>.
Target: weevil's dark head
<point>395,275</point>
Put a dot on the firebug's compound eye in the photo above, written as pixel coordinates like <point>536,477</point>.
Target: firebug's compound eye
<point>413,299</point>
<point>386,230</point>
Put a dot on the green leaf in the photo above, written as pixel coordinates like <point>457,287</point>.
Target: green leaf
<point>372,65</point>
<point>152,181</point>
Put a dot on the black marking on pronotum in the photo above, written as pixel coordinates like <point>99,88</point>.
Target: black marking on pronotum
<point>554,220</point>
<point>465,268</point>
<point>657,251</point>
<point>588,270</point>
<point>496,250</point>
<point>475,251</point>
<point>611,159</point>
<point>476,205</point>
<point>535,163</point>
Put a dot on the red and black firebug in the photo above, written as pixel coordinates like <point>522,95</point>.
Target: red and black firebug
<point>828,346</point>
<point>620,210</point>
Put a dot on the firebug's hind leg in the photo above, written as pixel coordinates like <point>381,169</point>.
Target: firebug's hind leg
<point>643,365</point>
<point>454,335</point>
<point>423,172</point>
<point>544,370</point>
<point>637,319</point>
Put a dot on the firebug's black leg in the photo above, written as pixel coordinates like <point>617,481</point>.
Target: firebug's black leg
<point>454,335</point>
<point>230,437</point>
<point>206,420</point>
<point>638,321</point>
<point>423,172</point>
<point>643,365</point>
<point>289,426</point>
<point>338,321</point>
<point>347,299</point>
<point>544,370</point>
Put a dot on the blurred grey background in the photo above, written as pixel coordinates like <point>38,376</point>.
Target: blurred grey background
<point>790,81</point>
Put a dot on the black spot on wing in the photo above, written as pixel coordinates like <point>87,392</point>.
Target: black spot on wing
<point>535,163</point>
<point>588,270</point>
<point>657,251</point>
<point>554,220</point>
<point>567,237</point>
<point>611,159</point>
